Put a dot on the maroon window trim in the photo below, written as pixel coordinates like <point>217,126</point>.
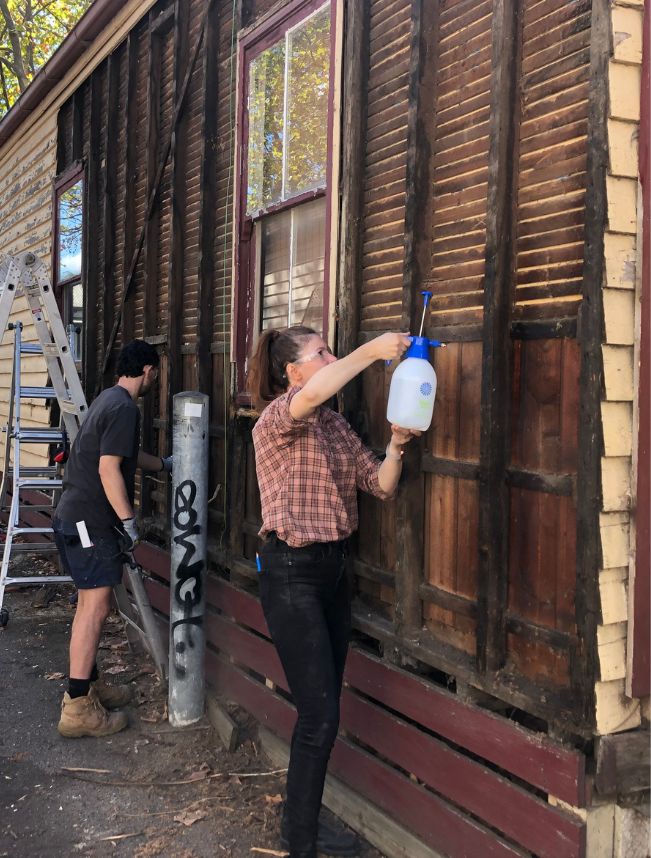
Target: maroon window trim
<point>251,44</point>
<point>61,184</point>
<point>641,638</point>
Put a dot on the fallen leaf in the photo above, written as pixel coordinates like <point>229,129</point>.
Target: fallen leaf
<point>150,720</point>
<point>118,668</point>
<point>189,817</point>
<point>199,775</point>
<point>19,757</point>
<point>273,799</point>
<point>54,675</point>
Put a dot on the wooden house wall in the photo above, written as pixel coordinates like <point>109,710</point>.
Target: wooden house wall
<point>26,173</point>
<point>471,165</point>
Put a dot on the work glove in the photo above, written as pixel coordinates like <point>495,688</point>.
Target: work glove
<point>167,463</point>
<point>129,535</point>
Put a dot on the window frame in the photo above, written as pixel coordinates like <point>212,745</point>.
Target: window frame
<point>246,251</point>
<point>63,288</point>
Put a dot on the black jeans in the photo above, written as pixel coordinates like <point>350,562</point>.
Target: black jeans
<point>305,596</point>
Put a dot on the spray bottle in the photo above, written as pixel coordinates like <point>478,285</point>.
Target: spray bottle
<point>413,386</point>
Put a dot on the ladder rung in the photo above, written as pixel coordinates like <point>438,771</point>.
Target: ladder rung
<point>22,531</point>
<point>46,507</point>
<point>40,484</point>
<point>31,349</point>
<point>40,579</point>
<point>40,436</point>
<point>37,393</point>
<point>33,547</point>
<point>33,471</point>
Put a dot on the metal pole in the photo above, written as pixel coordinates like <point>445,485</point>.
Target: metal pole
<point>189,516</point>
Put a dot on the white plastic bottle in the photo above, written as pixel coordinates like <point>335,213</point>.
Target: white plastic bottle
<point>413,388</point>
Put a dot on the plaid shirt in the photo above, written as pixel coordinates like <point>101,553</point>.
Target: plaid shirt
<point>309,471</point>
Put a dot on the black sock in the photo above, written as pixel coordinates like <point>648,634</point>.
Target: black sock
<point>78,687</point>
<point>94,675</point>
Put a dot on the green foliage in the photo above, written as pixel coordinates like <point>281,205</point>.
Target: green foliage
<point>30,32</point>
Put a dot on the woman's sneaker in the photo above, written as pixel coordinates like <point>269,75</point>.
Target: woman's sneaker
<point>332,839</point>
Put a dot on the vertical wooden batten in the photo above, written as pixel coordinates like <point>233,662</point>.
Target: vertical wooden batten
<point>497,348</point>
<point>354,96</point>
<point>410,512</point>
<point>130,172</point>
<point>92,339</point>
<point>590,330</point>
<point>207,203</point>
<point>151,227</point>
<point>109,202</point>
<point>178,158</point>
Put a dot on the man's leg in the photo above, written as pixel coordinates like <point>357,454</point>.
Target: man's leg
<point>93,607</point>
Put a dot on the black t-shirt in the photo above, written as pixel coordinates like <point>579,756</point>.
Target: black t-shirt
<point>111,428</point>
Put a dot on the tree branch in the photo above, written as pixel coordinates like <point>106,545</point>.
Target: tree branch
<point>14,39</point>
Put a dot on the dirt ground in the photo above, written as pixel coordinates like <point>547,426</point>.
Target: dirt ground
<point>148,791</point>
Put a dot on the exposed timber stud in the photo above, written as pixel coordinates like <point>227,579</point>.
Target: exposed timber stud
<point>178,169</point>
<point>152,223</point>
<point>129,120</point>
<point>355,85</point>
<point>109,197</point>
<point>410,507</point>
<point>92,339</point>
<point>77,124</point>
<point>584,673</point>
<point>497,349</point>
<point>208,204</point>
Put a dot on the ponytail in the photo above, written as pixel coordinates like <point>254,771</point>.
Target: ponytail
<point>267,377</point>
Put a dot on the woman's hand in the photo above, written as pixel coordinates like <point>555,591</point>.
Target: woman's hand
<point>388,346</point>
<point>400,436</point>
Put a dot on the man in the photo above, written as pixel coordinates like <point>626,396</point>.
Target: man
<point>94,523</point>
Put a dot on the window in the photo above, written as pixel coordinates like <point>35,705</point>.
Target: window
<point>285,204</point>
<point>68,239</point>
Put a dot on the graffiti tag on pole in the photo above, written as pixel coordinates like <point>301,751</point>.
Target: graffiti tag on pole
<point>188,589</point>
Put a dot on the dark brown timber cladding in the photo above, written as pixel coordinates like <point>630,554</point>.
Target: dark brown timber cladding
<point>552,177</point>
<point>385,167</point>
<point>224,104</point>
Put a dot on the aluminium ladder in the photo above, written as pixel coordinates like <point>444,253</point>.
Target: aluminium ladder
<point>28,274</point>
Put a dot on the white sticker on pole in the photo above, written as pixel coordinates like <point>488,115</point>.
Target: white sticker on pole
<point>193,409</point>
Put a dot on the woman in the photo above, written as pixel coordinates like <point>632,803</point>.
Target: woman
<point>310,464</point>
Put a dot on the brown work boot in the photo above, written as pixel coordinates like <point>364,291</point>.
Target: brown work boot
<point>85,716</point>
<point>112,696</point>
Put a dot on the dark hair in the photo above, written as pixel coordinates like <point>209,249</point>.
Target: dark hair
<point>134,357</point>
<point>267,378</point>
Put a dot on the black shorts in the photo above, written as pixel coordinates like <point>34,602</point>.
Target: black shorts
<point>100,565</point>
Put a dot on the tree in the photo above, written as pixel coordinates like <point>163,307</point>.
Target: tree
<point>30,32</point>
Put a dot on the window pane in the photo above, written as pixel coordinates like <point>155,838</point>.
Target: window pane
<point>276,242</point>
<point>307,265</point>
<point>292,267</point>
<point>307,104</point>
<point>266,128</point>
<point>70,231</point>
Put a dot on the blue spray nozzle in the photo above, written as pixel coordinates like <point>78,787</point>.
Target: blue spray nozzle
<point>420,346</point>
